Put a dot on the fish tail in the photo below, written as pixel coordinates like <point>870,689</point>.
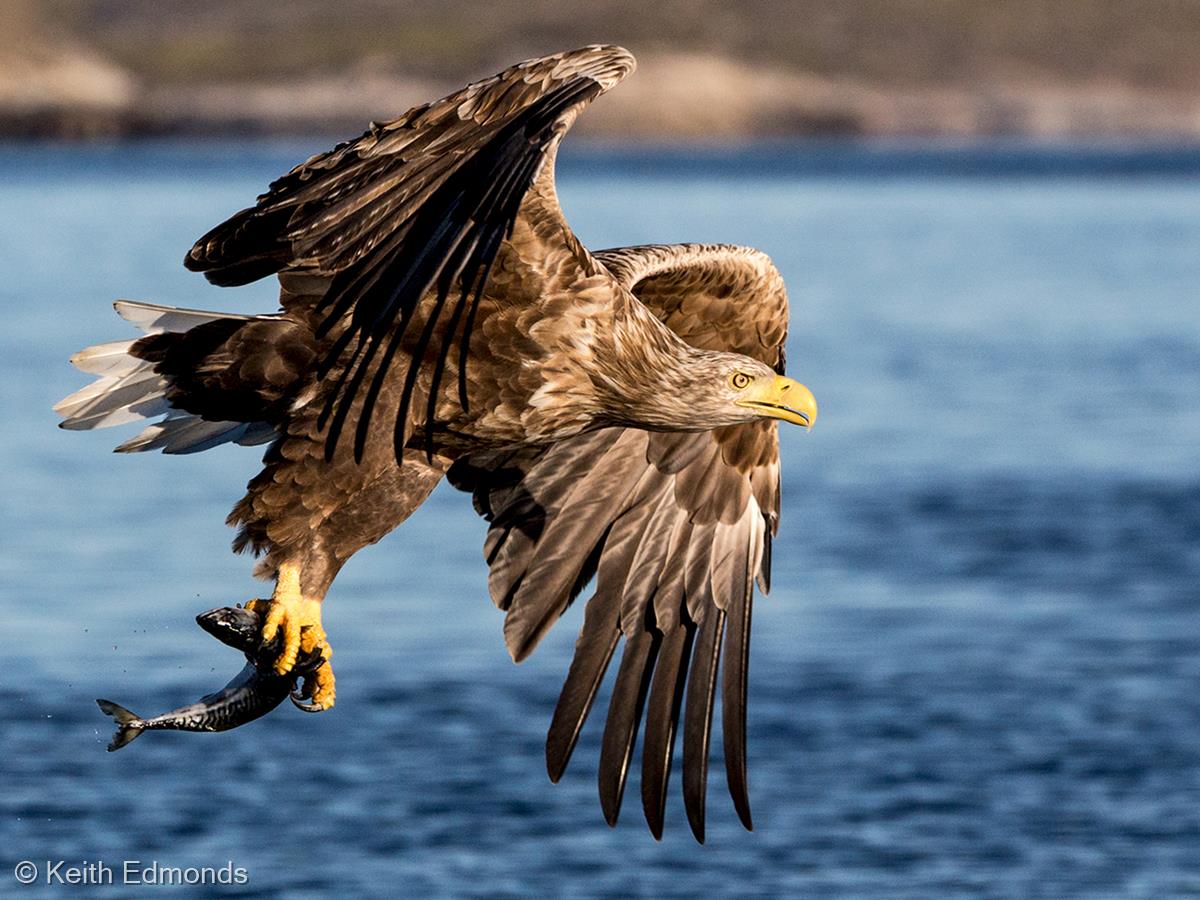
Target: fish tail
<point>128,724</point>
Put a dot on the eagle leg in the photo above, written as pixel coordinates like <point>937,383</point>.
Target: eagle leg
<point>297,619</point>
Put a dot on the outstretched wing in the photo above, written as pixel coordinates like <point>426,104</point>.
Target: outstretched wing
<point>674,527</point>
<point>417,204</point>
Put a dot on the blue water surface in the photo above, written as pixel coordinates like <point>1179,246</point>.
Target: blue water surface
<point>977,674</point>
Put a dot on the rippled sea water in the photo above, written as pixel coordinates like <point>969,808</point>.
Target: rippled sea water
<point>977,673</point>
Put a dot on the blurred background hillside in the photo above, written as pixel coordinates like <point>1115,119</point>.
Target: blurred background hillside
<point>708,68</point>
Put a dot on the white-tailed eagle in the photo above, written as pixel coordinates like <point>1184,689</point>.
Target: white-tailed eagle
<point>613,413</point>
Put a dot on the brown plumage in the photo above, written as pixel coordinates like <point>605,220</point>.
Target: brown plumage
<point>613,414</point>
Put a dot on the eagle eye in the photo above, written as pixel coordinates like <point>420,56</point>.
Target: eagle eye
<point>739,381</point>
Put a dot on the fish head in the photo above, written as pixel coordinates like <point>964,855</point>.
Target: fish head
<point>234,626</point>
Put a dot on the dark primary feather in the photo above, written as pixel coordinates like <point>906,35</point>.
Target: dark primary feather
<point>733,696</point>
<point>697,717</point>
<point>678,527</point>
<point>662,716</point>
<point>419,204</point>
<point>598,639</point>
<point>624,716</point>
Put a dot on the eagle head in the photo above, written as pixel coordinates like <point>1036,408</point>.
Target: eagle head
<point>761,392</point>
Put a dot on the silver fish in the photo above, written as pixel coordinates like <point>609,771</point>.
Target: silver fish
<point>253,692</point>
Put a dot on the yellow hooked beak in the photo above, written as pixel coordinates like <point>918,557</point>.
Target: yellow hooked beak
<point>781,398</point>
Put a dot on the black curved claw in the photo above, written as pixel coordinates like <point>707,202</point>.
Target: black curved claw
<point>305,666</point>
<point>309,662</point>
<point>300,702</point>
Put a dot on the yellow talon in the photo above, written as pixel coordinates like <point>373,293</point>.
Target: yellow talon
<point>298,619</point>
<point>312,637</point>
<point>293,620</point>
<point>319,686</point>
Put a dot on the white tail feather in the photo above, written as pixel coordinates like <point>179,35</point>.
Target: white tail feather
<point>112,392</point>
<point>183,434</point>
<point>154,319</point>
<point>129,390</point>
<point>146,408</point>
<point>106,359</point>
